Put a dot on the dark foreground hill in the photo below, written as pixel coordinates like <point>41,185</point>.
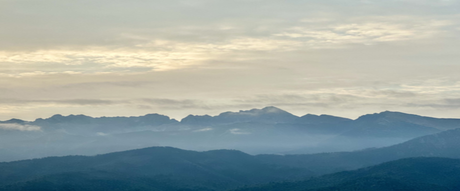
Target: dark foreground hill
<point>169,169</point>
<point>157,168</point>
<point>413,174</point>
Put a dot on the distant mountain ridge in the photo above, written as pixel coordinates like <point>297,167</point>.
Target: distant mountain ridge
<point>265,115</point>
<point>150,119</point>
<point>257,131</point>
<point>268,114</point>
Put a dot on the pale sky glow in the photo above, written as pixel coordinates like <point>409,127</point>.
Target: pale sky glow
<point>177,57</point>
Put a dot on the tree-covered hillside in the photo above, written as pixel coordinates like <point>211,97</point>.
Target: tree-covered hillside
<point>412,174</point>
<point>168,167</point>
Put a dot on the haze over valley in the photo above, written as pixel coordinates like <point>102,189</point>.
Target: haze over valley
<point>269,130</point>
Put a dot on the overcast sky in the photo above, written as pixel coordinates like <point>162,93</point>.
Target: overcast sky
<point>180,57</point>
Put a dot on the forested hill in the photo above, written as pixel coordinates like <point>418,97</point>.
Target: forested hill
<point>444,144</point>
<point>156,168</point>
<point>412,174</point>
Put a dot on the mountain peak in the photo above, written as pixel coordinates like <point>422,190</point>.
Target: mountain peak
<point>265,110</point>
<point>196,119</point>
<point>268,114</point>
<point>272,109</point>
<point>14,120</point>
<point>385,114</point>
<point>311,118</point>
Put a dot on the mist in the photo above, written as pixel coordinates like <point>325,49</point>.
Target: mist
<point>269,130</point>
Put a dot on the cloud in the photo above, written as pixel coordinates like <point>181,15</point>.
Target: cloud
<point>394,94</point>
<point>151,55</point>
<point>237,131</point>
<point>101,134</point>
<point>175,103</point>
<point>322,100</point>
<point>203,130</point>
<point>365,32</point>
<point>451,104</point>
<point>82,102</point>
<point>179,57</point>
<point>107,60</point>
<point>19,127</point>
<point>156,102</point>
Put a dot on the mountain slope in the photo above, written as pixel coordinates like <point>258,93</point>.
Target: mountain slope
<point>405,175</point>
<point>103,181</point>
<point>214,169</point>
<point>438,123</point>
<point>388,124</point>
<point>444,144</point>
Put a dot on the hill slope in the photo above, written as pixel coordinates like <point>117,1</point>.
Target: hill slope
<point>412,174</point>
<point>444,144</point>
<point>219,169</point>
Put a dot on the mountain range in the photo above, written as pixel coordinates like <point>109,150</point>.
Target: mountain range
<point>268,130</point>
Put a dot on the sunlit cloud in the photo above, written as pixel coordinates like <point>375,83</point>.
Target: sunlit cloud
<point>364,32</point>
<point>160,60</point>
<point>173,55</point>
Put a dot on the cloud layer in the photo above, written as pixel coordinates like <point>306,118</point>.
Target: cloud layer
<point>195,57</point>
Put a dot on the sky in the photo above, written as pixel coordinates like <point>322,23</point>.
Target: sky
<point>180,57</point>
